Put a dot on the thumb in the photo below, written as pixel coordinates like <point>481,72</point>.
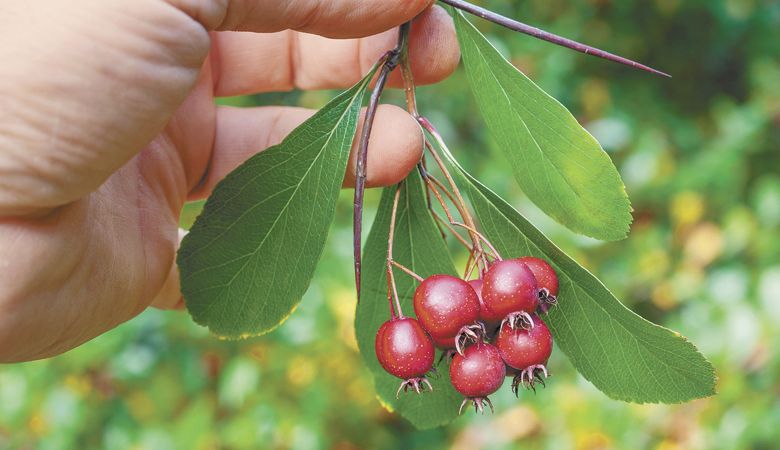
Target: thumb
<point>329,18</point>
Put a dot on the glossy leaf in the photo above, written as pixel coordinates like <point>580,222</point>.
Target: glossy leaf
<point>419,246</point>
<point>623,355</point>
<point>251,254</point>
<point>558,164</point>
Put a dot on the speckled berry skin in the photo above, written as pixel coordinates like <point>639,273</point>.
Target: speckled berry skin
<point>444,304</point>
<point>479,372</point>
<point>404,349</point>
<point>545,275</point>
<point>521,348</point>
<point>477,286</point>
<point>508,286</point>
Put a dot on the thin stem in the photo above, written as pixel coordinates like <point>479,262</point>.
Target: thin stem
<point>452,230</point>
<point>471,264</point>
<point>546,36</point>
<point>481,236</point>
<point>424,174</point>
<point>406,72</point>
<point>444,189</point>
<point>433,186</point>
<point>426,124</point>
<point>390,59</point>
<point>407,271</point>
<point>469,261</point>
<point>439,198</point>
<point>390,239</point>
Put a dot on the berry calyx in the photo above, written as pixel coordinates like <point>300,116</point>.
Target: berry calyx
<point>526,351</point>
<point>547,280</point>
<point>509,288</point>
<point>477,373</point>
<point>447,307</point>
<point>404,350</point>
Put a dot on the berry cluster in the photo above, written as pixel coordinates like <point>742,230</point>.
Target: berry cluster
<point>489,328</point>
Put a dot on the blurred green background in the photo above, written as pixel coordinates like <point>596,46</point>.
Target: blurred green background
<point>700,155</point>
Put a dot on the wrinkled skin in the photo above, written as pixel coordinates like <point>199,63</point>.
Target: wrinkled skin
<point>108,125</point>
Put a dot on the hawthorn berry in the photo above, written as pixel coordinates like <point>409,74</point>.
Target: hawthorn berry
<point>477,373</point>
<point>448,308</point>
<point>490,325</point>
<point>443,343</point>
<point>405,350</point>
<point>510,293</point>
<point>547,280</point>
<point>527,351</point>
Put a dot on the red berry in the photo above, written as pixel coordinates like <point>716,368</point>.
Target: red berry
<point>477,286</point>
<point>543,272</point>
<point>508,287</point>
<point>479,372</point>
<point>521,348</point>
<point>404,349</point>
<point>490,325</point>
<point>444,304</point>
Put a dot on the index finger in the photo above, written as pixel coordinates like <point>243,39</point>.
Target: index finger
<point>247,63</point>
<point>329,18</point>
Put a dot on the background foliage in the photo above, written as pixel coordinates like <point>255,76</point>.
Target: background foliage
<point>699,155</point>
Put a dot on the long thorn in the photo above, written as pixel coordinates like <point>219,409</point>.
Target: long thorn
<point>514,25</point>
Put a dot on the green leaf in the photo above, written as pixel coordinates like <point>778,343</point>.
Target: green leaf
<point>251,254</point>
<point>557,163</point>
<point>419,246</point>
<point>623,355</point>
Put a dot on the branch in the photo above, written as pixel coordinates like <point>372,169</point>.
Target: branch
<point>546,36</point>
<point>391,59</point>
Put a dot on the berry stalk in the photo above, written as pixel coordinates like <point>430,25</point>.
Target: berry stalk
<point>460,204</point>
<point>392,289</point>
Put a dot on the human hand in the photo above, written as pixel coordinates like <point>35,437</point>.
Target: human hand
<point>108,125</point>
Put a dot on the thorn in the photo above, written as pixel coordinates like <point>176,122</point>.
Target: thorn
<point>547,36</point>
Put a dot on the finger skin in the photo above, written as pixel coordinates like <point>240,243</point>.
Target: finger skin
<point>246,63</point>
<point>107,121</point>
<point>83,90</point>
<point>135,62</point>
<point>330,18</point>
<point>394,148</point>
